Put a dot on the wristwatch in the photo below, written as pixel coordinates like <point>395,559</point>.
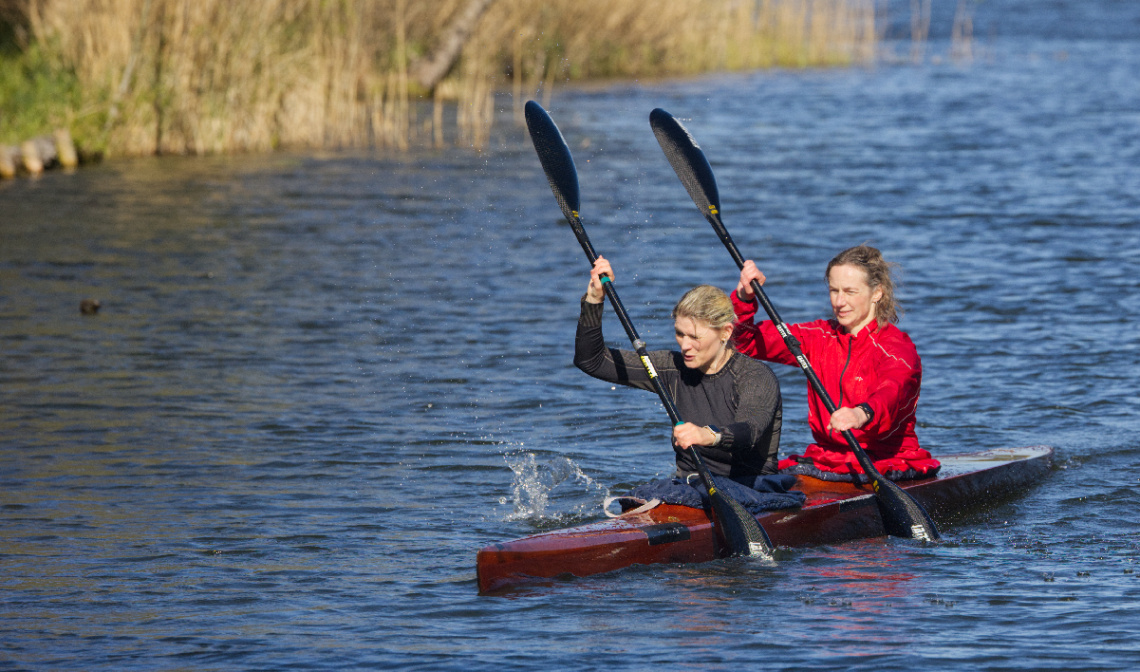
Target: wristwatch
<point>717,436</point>
<point>867,409</point>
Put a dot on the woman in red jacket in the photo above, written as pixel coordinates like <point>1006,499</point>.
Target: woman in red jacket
<point>868,366</point>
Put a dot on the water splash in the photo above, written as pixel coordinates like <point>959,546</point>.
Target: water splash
<point>553,489</point>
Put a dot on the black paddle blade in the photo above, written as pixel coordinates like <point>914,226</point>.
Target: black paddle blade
<point>902,515</point>
<point>554,155</point>
<point>688,161</point>
<point>742,534</point>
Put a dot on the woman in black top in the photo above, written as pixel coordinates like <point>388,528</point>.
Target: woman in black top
<point>730,403</point>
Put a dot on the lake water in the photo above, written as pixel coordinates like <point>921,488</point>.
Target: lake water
<point>319,383</point>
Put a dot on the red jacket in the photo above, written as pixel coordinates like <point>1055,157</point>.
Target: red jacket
<point>879,367</point>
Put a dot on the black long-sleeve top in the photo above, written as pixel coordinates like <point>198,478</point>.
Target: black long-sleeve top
<point>742,399</point>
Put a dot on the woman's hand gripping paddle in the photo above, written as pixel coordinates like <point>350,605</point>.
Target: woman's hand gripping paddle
<point>741,533</point>
<point>902,515</point>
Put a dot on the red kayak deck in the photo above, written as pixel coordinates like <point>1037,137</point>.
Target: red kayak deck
<point>833,513</point>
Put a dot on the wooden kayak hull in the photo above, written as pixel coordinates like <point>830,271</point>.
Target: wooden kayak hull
<point>833,513</point>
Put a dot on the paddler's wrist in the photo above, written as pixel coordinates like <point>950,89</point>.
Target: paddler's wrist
<point>866,408</point>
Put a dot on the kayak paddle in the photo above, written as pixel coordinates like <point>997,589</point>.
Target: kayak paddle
<point>902,515</point>
<point>742,534</point>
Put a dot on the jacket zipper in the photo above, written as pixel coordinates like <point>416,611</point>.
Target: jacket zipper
<point>844,372</point>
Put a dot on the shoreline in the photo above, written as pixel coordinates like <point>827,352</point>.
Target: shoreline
<point>45,152</point>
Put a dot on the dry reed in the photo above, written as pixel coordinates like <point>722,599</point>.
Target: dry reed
<point>962,34</point>
<point>209,76</point>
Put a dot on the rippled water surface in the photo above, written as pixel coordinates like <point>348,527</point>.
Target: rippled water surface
<point>320,383</point>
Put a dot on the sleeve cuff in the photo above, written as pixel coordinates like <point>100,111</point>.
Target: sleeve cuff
<point>591,315</point>
<point>744,310</point>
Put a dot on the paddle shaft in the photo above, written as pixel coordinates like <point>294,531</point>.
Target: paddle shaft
<point>639,347</point>
<point>902,515</point>
<point>741,533</point>
<point>793,345</point>
<point>747,536</point>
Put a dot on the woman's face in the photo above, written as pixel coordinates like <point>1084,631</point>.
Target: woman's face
<point>852,300</point>
<point>700,343</point>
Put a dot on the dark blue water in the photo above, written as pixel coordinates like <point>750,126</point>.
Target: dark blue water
<point>320,383</point>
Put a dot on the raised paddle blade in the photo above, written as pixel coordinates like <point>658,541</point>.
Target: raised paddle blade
<point>902,515</point>
<point>554,155</point>
<point>688,161</point>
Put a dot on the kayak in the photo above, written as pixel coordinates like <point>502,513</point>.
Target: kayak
<point>834,512</point>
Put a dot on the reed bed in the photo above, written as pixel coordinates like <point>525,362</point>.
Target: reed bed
<point>212,76</point>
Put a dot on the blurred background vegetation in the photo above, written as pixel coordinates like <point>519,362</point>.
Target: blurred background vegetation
<point>133,77</point>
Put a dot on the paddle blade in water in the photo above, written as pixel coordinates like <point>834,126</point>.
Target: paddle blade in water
<point>554,155</point>
<point>742,534</point>
<point>902,515</point>
<point>688,161</point>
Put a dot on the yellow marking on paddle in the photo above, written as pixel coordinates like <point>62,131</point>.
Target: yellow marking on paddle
<point>574,212</point>
<point>712,209</point>
<point>648,366</point>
